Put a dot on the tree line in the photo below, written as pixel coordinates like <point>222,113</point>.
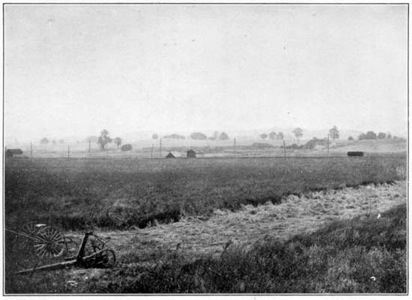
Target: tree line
<point>370,135</point>
<point>217,136</point>
<point>104,138</point>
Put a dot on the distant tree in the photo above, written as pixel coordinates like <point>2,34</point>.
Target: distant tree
<point>118,141</point>
<point>198,136</point>
<point>104,139</point>
<point>44,141</point>
<point>263,136</point>
<point>370,135</point>
<point>223,136</point>
<point>334,133</point>
<point>54,142</point>
<point>155,136</point>
<point>381,135</point>
<point>280,136</point>
<point>350,138</point>
<point>272,135</point>
<point>61,141</point>
<point>389,136</point>
<point>298,132</point>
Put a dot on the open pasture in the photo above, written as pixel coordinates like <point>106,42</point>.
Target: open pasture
<point>120,193</point>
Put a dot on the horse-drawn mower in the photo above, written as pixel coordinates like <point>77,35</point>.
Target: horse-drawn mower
<point>47,243</point>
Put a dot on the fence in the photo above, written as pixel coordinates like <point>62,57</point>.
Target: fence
<point>86,150</point>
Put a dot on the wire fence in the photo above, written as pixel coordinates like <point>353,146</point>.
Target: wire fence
<point>78,151</point>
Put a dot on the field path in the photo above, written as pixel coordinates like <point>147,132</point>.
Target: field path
<point>251,224</point>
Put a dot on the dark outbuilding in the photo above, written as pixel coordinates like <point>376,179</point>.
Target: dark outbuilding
<point>170,155</point>
<point>14,152</point>
<point>355,153</point>
<point>173,154</point>
<point>191,154</point>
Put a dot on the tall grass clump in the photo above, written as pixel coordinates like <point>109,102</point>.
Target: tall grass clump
<point>347,256</point>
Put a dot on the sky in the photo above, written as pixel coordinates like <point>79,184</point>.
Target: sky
<point>73,70</point>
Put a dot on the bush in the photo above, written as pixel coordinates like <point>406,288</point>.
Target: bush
<point>126,147</point>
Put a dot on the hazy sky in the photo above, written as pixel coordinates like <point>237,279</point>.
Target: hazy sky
<point>76,69</point>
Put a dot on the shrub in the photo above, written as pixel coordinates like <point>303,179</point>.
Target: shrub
<point>126,147</point>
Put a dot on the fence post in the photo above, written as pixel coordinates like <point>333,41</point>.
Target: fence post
<point>284,148</point>
<point>160,150</point>
<point>328,144</point>
<point>234,145</point>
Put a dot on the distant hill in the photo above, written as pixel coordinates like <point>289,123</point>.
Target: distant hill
<point>374,146</point>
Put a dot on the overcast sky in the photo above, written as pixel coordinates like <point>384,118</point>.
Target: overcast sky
<point>76,69</point>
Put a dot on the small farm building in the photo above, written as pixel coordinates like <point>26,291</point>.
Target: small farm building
<point>173,154</point>
<point>191,154</point>
<point>355,153</point>
<point>13,152</point>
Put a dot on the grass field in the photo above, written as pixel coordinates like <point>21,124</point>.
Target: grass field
<point>269,225</point>
<point>127,192</point>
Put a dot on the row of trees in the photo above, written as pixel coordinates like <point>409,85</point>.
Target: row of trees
<point>272,136</point>
<point>221,136</point>
<point>105,139</point>
<point>298,133</point>
<point>45,141</point>
<point>333,134</point>
<point>370,135</point>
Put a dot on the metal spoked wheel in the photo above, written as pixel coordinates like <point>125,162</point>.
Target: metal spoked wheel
<point>106,259</point>
<point>25,238</point>
<point>50,242</point>
<point>32,228</point>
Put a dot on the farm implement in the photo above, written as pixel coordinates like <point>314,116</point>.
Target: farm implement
<point>48,243</point>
